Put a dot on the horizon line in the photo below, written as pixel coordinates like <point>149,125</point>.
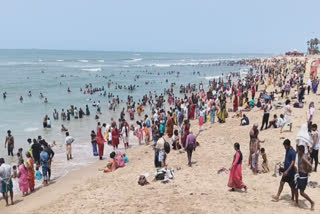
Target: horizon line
<point>130,51</point>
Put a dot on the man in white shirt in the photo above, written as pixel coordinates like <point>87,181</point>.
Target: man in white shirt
<point>6,173</point>
<point>69,140</point>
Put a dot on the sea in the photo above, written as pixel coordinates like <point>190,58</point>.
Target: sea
<point>52,72</point>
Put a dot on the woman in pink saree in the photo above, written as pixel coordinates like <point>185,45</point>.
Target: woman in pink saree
<point>23,178</point>
<point>235,179</point>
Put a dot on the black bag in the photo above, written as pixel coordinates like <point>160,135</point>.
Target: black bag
<point>166,146</point>
<point>160,175</point>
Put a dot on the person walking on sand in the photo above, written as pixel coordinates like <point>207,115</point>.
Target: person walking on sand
<point>314,150</point>
<point>287,115</point>
<point>304,167</point>
<point>191,144</point>
<point>288,171</point>
<point>6,174</point>
<point>235,178</point>
<point>69,140</point>
<point>10,143</point>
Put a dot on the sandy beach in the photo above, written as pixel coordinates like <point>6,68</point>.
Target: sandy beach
<point>199,189</point>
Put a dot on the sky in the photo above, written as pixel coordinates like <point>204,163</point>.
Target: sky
<point>205,26</point>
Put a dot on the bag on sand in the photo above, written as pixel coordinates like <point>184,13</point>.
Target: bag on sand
<point>142,180</point>
<point>166,146</point>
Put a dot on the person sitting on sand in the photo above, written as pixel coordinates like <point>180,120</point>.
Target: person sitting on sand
<point>304,167</point>
<point>287,115</point>
<point>244,120</point>
<point>264,165</point>
<point>112,165</point>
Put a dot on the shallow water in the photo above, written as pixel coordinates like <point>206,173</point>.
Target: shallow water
<point>41,70</point>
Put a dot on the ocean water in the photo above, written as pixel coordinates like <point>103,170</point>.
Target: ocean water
<point>41,71</point>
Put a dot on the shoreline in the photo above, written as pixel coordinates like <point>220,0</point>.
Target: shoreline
<point>194,190</point>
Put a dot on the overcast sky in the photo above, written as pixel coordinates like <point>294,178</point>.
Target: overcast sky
<point>214,26</point>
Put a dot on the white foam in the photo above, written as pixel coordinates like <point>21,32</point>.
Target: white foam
<point>100,60</point>
<point>91,69</point>
<point>83,60</point>
<point>134,60</point>
<point>60,60</point>
<point>212,77</point>
<point>30,129</point>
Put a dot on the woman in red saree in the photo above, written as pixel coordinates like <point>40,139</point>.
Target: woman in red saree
<point>235,179</point>
<point>169,126</point>
<point>115,137</point>
<point>193,109</point>
<point>235,103</point>
<point>100,141</point>
<point>31,173</point>
<point>186,131</point>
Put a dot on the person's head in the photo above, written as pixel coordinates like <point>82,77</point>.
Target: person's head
<point>29,140</point>
<point>20,150</point>
<point>14,167</point>
<point>255,126</point>
<point>99,123</point>
<point>262,150</point>
<point>28,155</point>
<point>301,150</point>
<point>311,105</point>
<point>237,146</point>
<point>37,168</point>
<point>9,133</point>
<point>287,101</point>
<point>1,161</point>
<point>21,161</point>
<point>281,116</point>
<point>112,155</point>
<point>314,127</point>
<point>176,132</point>
<point>275,116</point>
<point>287,144</point>
<point>67,134</point>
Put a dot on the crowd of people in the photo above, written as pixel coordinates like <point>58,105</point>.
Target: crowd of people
<point>171,117</point>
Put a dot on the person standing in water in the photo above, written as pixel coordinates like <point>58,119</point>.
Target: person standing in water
<point>100,140</point>
<point>10,143</point>
<point>69,140</point>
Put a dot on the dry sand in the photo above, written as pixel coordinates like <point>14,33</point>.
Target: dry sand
<point>194,190</point>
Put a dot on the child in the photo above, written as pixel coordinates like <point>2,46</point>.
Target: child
<point>38,174</point>
<point>126,158</point>
<point>175,140</point>
<point>147,134</point>
<point>264,165</point>
<point>19,154</point>
<point>15,173</point>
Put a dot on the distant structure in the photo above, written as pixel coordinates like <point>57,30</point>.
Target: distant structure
<point>294,53</point>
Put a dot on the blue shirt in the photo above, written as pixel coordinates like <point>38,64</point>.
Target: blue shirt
<point>290,156</point>
<point>38,175</point>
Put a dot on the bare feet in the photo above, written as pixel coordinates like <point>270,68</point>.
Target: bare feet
<point>312,206</point>
<point>275,198</point>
